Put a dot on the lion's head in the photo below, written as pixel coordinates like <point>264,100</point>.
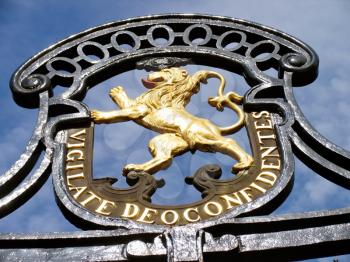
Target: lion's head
<point>165,76</point>
<point>168,87</point>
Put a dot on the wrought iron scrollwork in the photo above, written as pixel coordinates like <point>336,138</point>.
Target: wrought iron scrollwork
<point>86,59</point>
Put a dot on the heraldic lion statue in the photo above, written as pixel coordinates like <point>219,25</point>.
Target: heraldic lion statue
<point>162,109</point>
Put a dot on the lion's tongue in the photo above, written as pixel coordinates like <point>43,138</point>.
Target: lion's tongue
<point>148,84</point>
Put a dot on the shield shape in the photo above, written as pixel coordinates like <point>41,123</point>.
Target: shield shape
<point>256,180</point>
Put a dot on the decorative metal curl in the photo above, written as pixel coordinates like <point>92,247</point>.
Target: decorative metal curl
<point>296,64</point>
<point>158,63</point>
<point>26,92</point>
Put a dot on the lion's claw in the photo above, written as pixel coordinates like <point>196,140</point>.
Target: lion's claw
<point>116,90</point>
<point>132,167</point>
<point>246,164</point>
<point>97,116</point>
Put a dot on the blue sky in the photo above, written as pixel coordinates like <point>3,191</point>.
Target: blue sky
<point>27,27</point>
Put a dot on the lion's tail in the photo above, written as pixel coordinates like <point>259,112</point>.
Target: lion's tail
<point>230,100</point>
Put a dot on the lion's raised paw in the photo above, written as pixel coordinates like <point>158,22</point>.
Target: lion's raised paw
<point>116,90</point>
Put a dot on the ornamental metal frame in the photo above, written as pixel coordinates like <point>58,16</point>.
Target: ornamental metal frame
<point>239,234</point>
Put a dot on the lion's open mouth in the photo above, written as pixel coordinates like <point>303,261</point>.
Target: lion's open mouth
<point>151,83</point>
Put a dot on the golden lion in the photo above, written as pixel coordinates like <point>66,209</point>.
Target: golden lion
<point>162,109</point>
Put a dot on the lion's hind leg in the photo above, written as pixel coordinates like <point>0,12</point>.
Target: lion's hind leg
<point>163,148</point>
<point>232,148</point>
<point>228,146</point>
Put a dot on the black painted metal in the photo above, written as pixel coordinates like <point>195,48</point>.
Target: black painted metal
<point>238,234</point>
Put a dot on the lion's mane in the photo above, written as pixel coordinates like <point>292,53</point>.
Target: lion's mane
<point>176,92</point>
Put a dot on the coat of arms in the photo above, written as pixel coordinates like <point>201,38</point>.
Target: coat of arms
<point>163,109</point>
<point>230,218</point>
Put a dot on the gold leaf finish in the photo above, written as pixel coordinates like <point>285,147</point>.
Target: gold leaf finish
<point>162,109</point>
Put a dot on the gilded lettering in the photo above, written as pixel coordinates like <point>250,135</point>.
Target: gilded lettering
<point>263,125</point>
<point>267,177</point>
<point>262,137</point>
<point>267,150</point>
<point>232,200</point>
<point>79,190</point>
<point>103,206</point>
<point>174,217</point>
<point>189,211</point>
<point>73,167</point>
<point>146,216</point>
<point>209,208</point>
<point>79,145</point>
<point>131,210</point>
<point>77,134</point>
<point>270,162</point>
<point>245,192</point>
<point>75,155</point>
<point>258,115</point>
<point>253,185</point>
<point>90,198</point>
<point>75,176</point>
<point>276,166</point>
